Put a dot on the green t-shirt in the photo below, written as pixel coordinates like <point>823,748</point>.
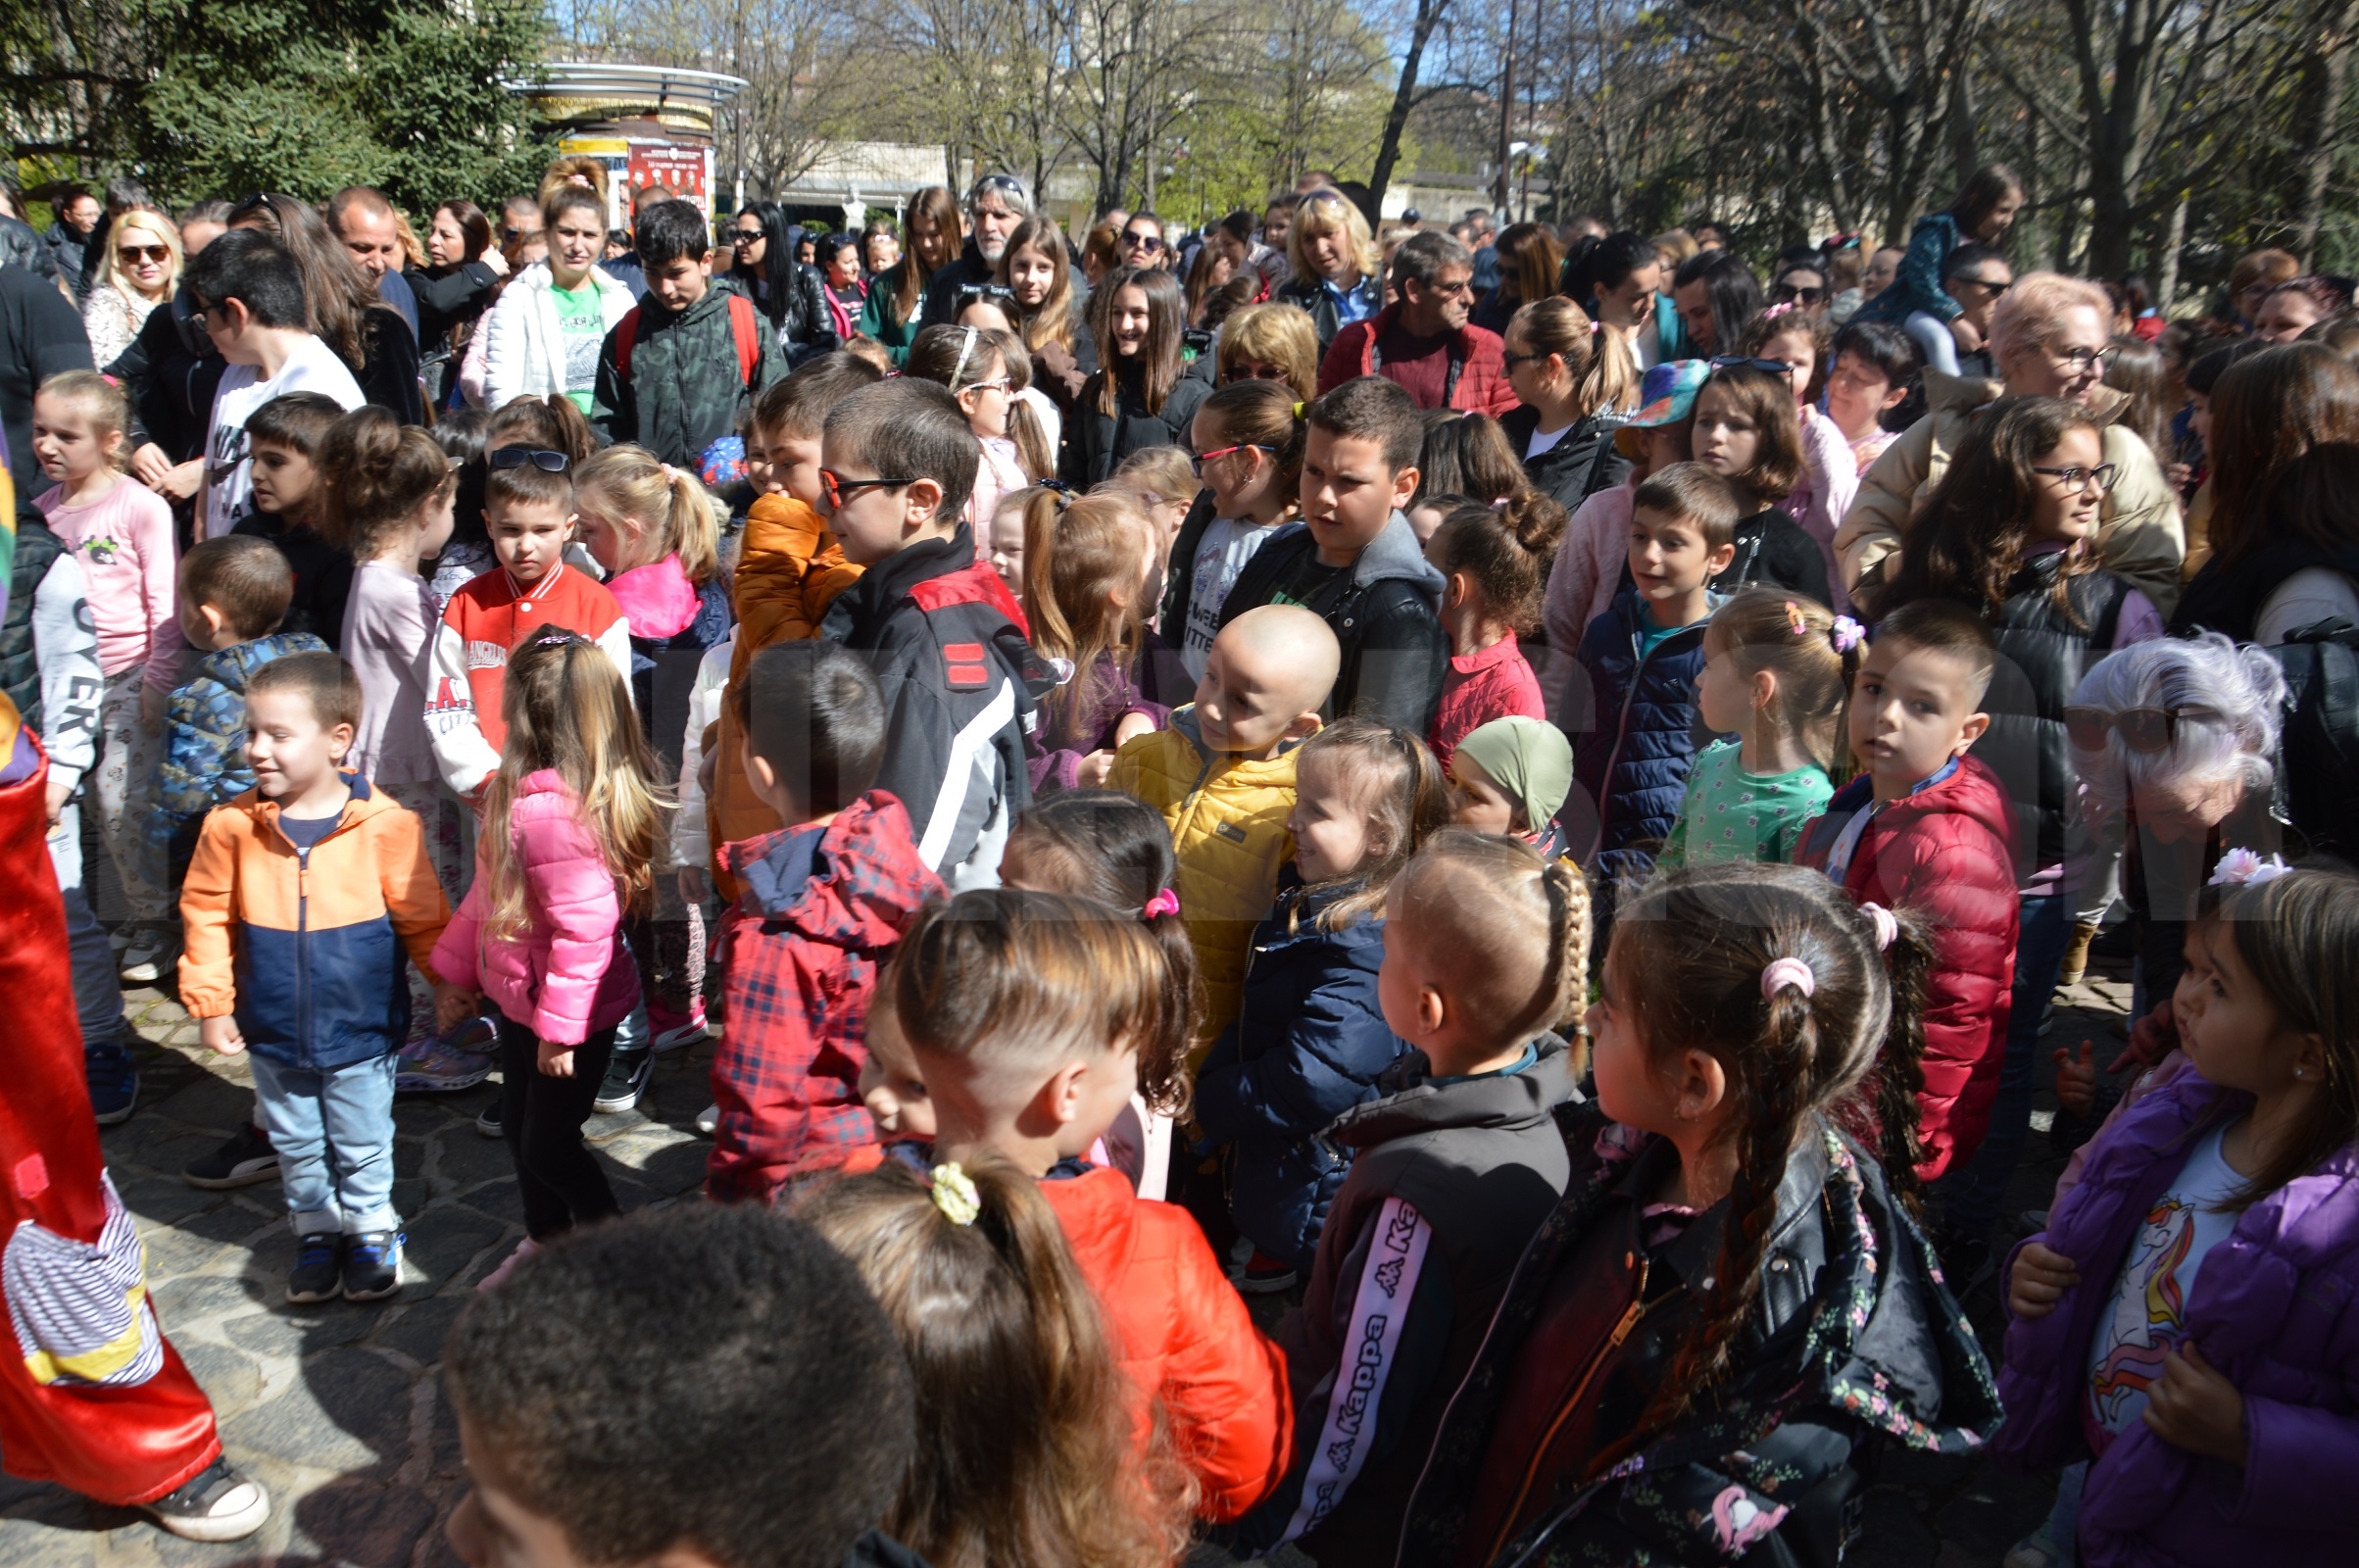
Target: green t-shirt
<point>1730,814</point>
<point>581,322</point>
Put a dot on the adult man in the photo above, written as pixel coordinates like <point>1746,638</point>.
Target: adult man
<point>1486,254</point>
<point>1424,343</point>
<point>40,337</point>
<point>365,221</point>
<point>996,204</point>
<point>519,219</point>
<point>21,243</point>
<point>1143,241</point>
<point>1977,278</point>
<point>70,236</point>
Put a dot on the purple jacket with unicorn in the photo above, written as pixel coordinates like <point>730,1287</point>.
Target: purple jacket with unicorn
<point>2275,1308</point>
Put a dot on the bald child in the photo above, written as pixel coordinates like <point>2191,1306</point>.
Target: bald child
<point>1224,776</point>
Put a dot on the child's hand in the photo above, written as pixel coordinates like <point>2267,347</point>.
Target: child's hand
<point>2193,1407</point>
<point>556,1061</point>
<point>1093,771</point>
<point>2077,1079</point>
<point>1133,726</point>
<point>2152,1038</point>
<point>453,1006</point>
<point>151,710</point>
<point>696,885</point>
<point>221,1035</point>
<point>59,793</point>
<point>149,464</point>
<point>2040,1277</point>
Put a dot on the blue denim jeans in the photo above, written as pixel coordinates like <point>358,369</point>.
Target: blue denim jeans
<point>1971,1196</point>
<point>333,1130</point>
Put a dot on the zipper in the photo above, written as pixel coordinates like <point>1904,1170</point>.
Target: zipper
<point>303,943</point>
<point>1621,732</point>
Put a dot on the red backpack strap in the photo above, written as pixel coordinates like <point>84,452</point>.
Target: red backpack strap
<point>748,332</point>
<point>627,332</point>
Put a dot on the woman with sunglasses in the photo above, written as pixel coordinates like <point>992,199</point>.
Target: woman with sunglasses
<point>143,268</point>
<point>1529,261</point>
<point>2048,339</point>
<point>789,294</point>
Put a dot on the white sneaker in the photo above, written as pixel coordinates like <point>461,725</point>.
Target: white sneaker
<point>152,953</point>
<point>708,1120</point>
<point>221,1504</point>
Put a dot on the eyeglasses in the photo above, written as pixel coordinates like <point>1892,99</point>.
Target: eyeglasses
<point>1250,371</point>
<point>144,252</point>
<point>1793,294</point>
<point>838,487</point>
<point>1511,361</point>
<point>2084,358</point>
<point>984,291</point>
<point>2076,477</point>
<point>999,384</point>
<point>1729,361</point>
<point>1450,291</point>
<point>540,457</point>
<point>1142,242</point>
<point>1202,458</point>
<point>2143,729</point>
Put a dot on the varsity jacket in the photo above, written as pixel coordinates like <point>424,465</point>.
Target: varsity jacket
<point>483,625</point>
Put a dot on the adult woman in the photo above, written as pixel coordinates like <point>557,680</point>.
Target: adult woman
<point>143,268</point>
<point>1716,294</point>
<point>1574,384</point>
<point>785,292</point>
<point>2266,412</point>
<point>1874,371</point>
<point>1619,281</point>
<point>2293,307</point>
<point>1270,342</point>
<point>2048,339</point>
<point>2250,279</point>
<point>930,239</point>
<point>1207,275</point>
<point>1529,261</point>
<point>1982,213</point>
<point>1142,395</point>
<point>342,302</point>
<point>453,289</point>
<point>543,333</point>
<point>1036,269</point>
<point>1334,265</point>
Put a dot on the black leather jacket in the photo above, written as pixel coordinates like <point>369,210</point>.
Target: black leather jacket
<point>22,245</point>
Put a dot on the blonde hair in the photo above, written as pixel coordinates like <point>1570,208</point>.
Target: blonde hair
<point>109,410</point>
<point>2035,306</point>
<point>1792,637</point>
<point>1077,563</point>
<point>567,709</point>
<point>665,508</point>
<point>1272,333</point>
<point>1156,473</point>
<point>1328,212</point>
<point>155,222</point>
<point>1404,792</point>
<point>1511,928</point>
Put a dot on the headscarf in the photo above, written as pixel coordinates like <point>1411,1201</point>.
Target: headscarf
<point>1529,758</point>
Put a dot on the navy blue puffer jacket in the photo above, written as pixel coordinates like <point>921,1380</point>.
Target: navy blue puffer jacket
<point>1309,1045</point>
<point>1635,735</point>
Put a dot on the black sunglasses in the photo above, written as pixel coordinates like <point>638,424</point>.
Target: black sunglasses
<point>1726,361</point>
<point>994,292</point>
<point>1796,294</point>
<point>540,457</point>
<point>838,487</point>
<point>1146,242</point>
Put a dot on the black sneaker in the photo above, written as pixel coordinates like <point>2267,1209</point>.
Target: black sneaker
<point>373,1265</point>
<point>487,1120</point>
<point>318,1274</point>
<point>627,1079</point>
<point>246,1160</point>
<point>221,1504</point>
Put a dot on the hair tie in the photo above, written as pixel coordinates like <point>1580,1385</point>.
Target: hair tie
<point>1847,634</point>
<point>1796,620</point>
<point>1784,973</point>
<point>670,473</point>
<point>1887,928</point>
<point>1165,902</point>
<point>955,1194</point>
<point>1301,411</point>
<point>2245,868</point>
<point>1773,312</point>
<point>1500,505</point>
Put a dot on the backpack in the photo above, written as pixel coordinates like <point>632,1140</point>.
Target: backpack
<point>744,329</point>
<point>2318,748</point>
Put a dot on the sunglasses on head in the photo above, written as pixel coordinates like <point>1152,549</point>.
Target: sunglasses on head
<point>540,457</point>
<point>2143,729</point>
<point>1724,362</point>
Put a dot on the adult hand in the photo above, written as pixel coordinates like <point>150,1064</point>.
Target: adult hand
<point>222,1035</point>
<point>2191,1407</point>
<point>180,482</point>
<point>2039,1280</point>
<point>695,884</point>
<point>2077,1079</point>
<point>496,261</point>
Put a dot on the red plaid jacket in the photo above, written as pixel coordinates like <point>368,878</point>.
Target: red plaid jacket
<point>821,910</point>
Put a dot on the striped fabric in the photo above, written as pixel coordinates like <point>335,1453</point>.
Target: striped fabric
<point>81,1311</point>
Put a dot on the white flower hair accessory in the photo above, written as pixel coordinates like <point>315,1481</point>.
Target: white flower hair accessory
<point>2245,868</point>
<point>955,1195</point>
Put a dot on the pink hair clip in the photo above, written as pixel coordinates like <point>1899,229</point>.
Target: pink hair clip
<point>2245,868</point>
<point>1772,313</point>
<point>1784,973</point>
<point>1888,927</point>
<point>1796,619</point>
<point>1165,902</point>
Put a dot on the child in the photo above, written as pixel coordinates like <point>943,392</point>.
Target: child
<point>1028,1014</point>
<point>1490,559</point>
<point>122,534</point>
<point>569,828</point>
<point>826,900</point>
<point>1310,1040</point>
<point>545,425</point>
<point>528,507</point>
<point>675,374</point>
<point>1642,658</point>
<point>544,1416</point>
<point>2183,1314</point>
<point>1164,482</point>
<point>287,437</point>
<point>1486,950</point>
<point>1784,335</point>
<point>1776,672</point>
<point>1023,1451</point>
<point>970,363</point>
<point>1512,777</point>
<point>1224,776</point>
<point>233,592</point>
<point>894,1091</point>
<point>1745,431</point>
<point>1355,560</point>
<point>1771,1305</point>
<point>1144,393</point>
<point>1083,596</point>
<point>942,634</point>
<point>1248,438</point>
<point>250,296</point>
<point>298,892</point>
<point>651,529</point>
<point>1927,828</point>
<point>1012,523</point>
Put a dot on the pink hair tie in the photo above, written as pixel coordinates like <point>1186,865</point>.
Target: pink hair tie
<point>1500,505</point>
<point>1784,973</point>
<point>1165,902</point>
<point>1887,927</point>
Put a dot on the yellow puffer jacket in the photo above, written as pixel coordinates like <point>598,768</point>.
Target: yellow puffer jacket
<point>1228,827</point>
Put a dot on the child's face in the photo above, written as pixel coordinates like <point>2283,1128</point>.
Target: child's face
<point>1726,439</point>
<point>2061,511</point>
<point>874,521</point>
<point>285,481</point>
<point>1668,556</point>
<point>1799,351</point>
<point>1480,804</point>
<point>434,529</point>
<point>1349,494</point>
<point>984,400</point>
<point>1333,836</point>
<point>67,442</point>
<point>1008,546</point>
<point>1242,707</point>
<point>286,745</point>
<point>779,463</point>
<point>1628,1089</point>
<point>492,1527</point>
<point>1725,695</point>
<point>1912,709</point>
<point>1132,315</point>
<point>2230,1031</point>
<point>528,537</point>
<point>890,1084</point>
<point>681,281</point>
<point>615,543</point>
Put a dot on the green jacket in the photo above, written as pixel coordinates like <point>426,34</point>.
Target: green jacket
<point>686,390</point>
<point>880,317</point>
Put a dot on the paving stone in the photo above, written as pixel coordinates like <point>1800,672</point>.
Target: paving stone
<point>368,1521</point>
<point>210,1103</point>
<point>290,1333</point>
<point>442,1240</point>
<point>231,1378</point>
<point>198,1297</point>
<point>421,1327</point>
<point>463,1156</point>
<point>164,1200</point>
<point>350,1409</point>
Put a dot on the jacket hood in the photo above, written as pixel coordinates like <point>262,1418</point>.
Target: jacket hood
<point>657,596</point>
<point>1958,395</point>
<point>234,666</point>
<point>1394,554</point>
<point>1415,1102</point>
<point>1183,720</point>
<point>365,804</point>
<point>856,883</point>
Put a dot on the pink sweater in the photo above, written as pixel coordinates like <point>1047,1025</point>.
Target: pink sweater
<point>1581,584</point>
<point>124,541</point>
<point>1496,682</point>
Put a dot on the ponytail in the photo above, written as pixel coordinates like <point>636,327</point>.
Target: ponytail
<point>1266,415</point>
<point>1505,550</point>
<point>1604,372</point>
<point>671,507</point>
<point>380,473</point>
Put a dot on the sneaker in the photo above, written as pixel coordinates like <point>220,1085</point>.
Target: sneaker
<point>245,1161</point>
<point>318,1274</point>
<point>444,1064</point>
<point>150,956</point>
<point>524,1250</point>
<point>487,1120</point>
<point>673,1030</point>
<point>222,1504</point>
<point>708,1120</point>
<point>627,1079</point>
<point>1264,1275</point>
<point>113,1092</point>
<point>373,1265</point>
<point>2076,953</point>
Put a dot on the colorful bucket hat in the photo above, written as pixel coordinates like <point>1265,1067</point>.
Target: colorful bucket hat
<point>1667,395</point>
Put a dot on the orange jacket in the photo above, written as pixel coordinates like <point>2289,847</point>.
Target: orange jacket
<point>1183,1335</point>
<point>791,571</point>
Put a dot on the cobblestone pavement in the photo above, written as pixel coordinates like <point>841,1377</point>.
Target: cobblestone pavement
<point>338,1408</point>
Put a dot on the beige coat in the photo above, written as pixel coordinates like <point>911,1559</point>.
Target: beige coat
<point>2140,536</point>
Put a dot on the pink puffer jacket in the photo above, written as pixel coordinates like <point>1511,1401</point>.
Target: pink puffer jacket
<point>569,973</point>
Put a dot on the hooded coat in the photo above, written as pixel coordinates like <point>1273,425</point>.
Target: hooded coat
<point>1633,718</point>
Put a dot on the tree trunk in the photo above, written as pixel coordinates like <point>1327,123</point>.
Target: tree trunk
<point>1405,98</point>
<point>2166,282</point>
<point>1962,149</point>
<point>2325,82</point>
